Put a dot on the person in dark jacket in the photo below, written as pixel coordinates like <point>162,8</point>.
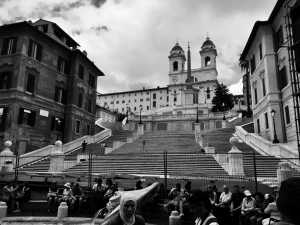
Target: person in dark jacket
<point>127,216</point>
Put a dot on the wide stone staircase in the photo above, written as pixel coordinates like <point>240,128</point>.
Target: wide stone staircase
<point>118,134</point>
<point>160,141</point>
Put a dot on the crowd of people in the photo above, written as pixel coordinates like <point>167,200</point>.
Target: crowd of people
<point>237,208</point>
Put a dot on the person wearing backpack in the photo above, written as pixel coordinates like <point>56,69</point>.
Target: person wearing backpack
<point>200,206</point>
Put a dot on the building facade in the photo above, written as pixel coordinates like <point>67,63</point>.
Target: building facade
<point>204,80</point>
<point>267,54</point>
<point>105,114</point>
<point>47,86</point>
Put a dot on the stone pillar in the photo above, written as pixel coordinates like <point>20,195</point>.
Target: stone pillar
<point>235,159</point>
<point>82,157</point>
<point>174,218</point>
<point>197,128</point>
<point>57,158</point>
<point>209,150</point>
<point>140,129</point>
<point>224,123</point>
<point>284,172</point>
<point>7,158</point>
<point>62,211</point>
<point>3,210</point>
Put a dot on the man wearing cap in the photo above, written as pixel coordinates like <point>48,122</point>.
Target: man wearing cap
<point>288,202</point>
<point>200,206</point>
<point>247,210</point>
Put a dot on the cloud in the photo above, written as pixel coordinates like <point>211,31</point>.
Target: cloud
<point>236,89</point>
<point>98,3</point>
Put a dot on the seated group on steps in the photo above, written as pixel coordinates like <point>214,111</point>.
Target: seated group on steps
<point>236,208</point>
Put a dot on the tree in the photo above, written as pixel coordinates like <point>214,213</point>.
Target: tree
<point>222,95</point>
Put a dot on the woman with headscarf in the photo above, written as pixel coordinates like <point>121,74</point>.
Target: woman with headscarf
<point>127,216</point>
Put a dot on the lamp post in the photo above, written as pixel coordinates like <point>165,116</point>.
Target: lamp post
<point>275,141</point>
<point>58,128</point>
<point>239,104</point>
<point>127,107</point>
<point>205,97</point>
<point>141,108</point>
<point>197,120</point>
<point>207,93</point>
<point>223,105</point>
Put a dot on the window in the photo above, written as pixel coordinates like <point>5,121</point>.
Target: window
<point>147,93</point>
<point>141,100</point>
<point>81,72</point>
<point>135,94</point>
<point>283,78</point>
<point>129,94</point>
<point>77,129</point>
<point>117,102</point>
<point>175,66</point>
<point>147,99</point>
<point>160,98</point>
<point>79,103</point>
<point>154,96</point>
<point>278,39</point>
<point>30,83</point>
<point>35,50</point>
<point>263,87</point>
<point>160,91</point>
<point>43,28</point>
<point>112,96</point>
<point>117,96</point>
<point>267,120</point>
<point>260,52</point>
<point>5,79</point>
<point>90,106</point>
<point>128,101</point>
<point>123,101</point>
<point>167,98</point>
<point>3,114</point>
<point>9,46</point>
<point>26,117</point>
<point>134,108</point>
<point>63,65</point>
<point>88,129</point>
<point>258,126</point>
<point>255,96</point>
<point>60,95</point>
<point>123,95</point>
<point>57,124</point>
<point>122,109</point>
<point>134,100</point>
<point>287,115</point>
<point>111,102</point>
<point>154,104</point>
<point>252,64</point>
<point>207,61</point>
<point>141,93</point>
<point>147,107</point>
<point>92,80</point>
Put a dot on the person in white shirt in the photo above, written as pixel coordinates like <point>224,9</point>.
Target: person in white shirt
<point>223,207</point>
<point>200,206</point>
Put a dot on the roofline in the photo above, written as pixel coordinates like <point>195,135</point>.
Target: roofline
<point>60,30</point>
<point>251,37</point>
<point>50,38</point>
<point>125,92</point>
<point>275,10</point>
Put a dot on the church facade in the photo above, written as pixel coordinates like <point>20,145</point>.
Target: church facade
<point>161,100</point>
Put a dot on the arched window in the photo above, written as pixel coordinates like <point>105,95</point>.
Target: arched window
<point>207,61</point>
<point>175,66</point>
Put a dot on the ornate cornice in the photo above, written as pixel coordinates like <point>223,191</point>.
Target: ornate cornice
<point>6,66</point>
<point>61,83</point>
<point>281,62</point>
<point>254,84</point>
<point>32,70</point>
<point>262,74</point>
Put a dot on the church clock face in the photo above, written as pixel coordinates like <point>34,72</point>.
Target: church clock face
<point>175,79</point>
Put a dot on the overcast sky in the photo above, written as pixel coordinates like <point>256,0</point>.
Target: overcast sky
<point>130,40</point>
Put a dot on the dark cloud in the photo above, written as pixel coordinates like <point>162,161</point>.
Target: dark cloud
<point>98,3</point>
<point>99,29</point>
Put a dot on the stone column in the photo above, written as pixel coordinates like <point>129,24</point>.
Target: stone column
<point>7,158</point>
<point>235,159</point>
<point>57,158</point>
<point>62,211</point>
<point>140,129</point>
<point>284,172</point>
<point>197,128</point>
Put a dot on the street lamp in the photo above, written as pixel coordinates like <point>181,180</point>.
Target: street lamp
<point>207,91</point>
<point>141,108</point>
<point>275,141</point>
<point>239,104</point>
<point>58,128</point>
<point>197,120</point>
<point>205,97</point>
<point>223,105</point>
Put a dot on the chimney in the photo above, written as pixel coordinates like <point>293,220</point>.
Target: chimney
<point>85,53</point>
<point>143,88</point>
<point>157,86</point>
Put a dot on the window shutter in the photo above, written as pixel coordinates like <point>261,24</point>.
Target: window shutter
<point>40,52</point>
<point>30,48</point>
<point>3,121</point>
<point>4,46</point>
<point>21,112</point>
<point>67,67</point>
<point>52,122</point>
<point>64,97</point>
<point>32,118</point>
<point>58,63</point>
<point>9,79</point>
<point>56,94</point>
<point>14,49</point>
